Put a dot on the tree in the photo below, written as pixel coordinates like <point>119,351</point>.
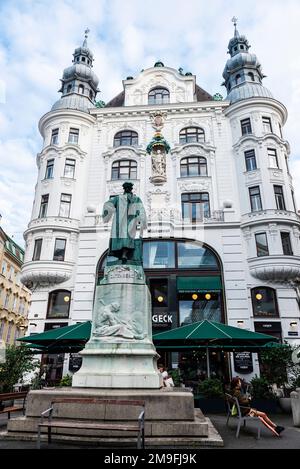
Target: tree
<point>18,361</point>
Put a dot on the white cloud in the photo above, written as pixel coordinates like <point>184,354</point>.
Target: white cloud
<point>37,40</point>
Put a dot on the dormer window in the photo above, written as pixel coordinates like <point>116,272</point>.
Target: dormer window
<point>238,79</point>
<point>82,59</point>
<point>242,47</point>
<point>81,89</point>
<point>159,96</point>
<point>91,94</point>
<point>251,76</point>
<point>125,137</point>
<point>69,89</point>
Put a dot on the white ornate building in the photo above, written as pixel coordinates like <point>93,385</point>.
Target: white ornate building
<point>223,232</point>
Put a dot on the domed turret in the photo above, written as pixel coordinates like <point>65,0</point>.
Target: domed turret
<point>242,73</point>
<point>79,83</point>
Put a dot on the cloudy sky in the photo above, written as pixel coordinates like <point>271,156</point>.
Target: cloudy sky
<point>38,37</point>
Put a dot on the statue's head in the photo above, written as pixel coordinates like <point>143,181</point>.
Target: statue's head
<point>115,306</point>
<point>127,186</point>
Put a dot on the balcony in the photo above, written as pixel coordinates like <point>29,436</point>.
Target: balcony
<point>69,224</point>
<point>269,215</point>
<point>46,272</point>
<point>275,268</point>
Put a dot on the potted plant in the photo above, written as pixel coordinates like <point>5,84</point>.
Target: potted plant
<point>263,397</point>
<point>210,396</point>
<point>279,369</point>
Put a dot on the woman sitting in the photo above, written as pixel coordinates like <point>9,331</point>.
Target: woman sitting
<point>246,408</point>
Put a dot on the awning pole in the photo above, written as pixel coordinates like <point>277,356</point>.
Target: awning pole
<point>207,362</point>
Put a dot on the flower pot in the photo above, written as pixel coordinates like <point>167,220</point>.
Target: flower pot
<point>285,404</point>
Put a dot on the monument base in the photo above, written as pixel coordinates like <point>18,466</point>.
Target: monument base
<point>118,365</point>
<point>170,418</point>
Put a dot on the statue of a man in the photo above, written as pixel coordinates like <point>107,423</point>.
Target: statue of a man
<point>128,212</point>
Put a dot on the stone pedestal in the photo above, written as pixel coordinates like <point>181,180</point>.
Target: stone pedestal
<point>170,418</point>
<point>120,352</point>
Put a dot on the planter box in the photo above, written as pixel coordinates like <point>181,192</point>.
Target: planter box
<point>213,406</point>
<point>270,406</point>
<point>285,404</point>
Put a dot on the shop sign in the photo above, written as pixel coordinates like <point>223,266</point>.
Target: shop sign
<point>162,319</point>
<point>243,362</point>
<point>75,362</point>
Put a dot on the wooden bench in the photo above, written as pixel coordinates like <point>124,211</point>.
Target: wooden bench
<point>13,396</point>
<point>63,423</point>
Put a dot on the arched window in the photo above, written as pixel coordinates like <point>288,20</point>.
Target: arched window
<point>238,79</point>
<point>195,206</point>
<point>82,59</point>
<point>59,304</point>
<point>81,89</point>
<point>191,135</point>
<point>264,302</point>
<point>69,89</point>
<point>193,166</point>
<point>124,169</point>
<point>125,137</point>
<point>159,96</point>
<point>91,94</point>
<point>251,76</point>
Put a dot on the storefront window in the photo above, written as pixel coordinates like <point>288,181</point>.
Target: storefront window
<point>264,302</point>
<point>196,306</point>
<point>193,255</point>
<point>159,255</point>
<point>59,304</point>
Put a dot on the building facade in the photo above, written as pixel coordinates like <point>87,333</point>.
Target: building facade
<point>14,296</point>
<point>222,241</point>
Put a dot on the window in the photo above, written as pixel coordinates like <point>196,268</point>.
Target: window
<point>238,79</point>
<point>286,243</point>
<point>59,304</point>
<point>37,249</point>
<point>251,76</point>
<point>195,206</point>
<point>246,126</point>
<point>125,137</point>
<point>6,301</point>
<point>255,199</point>
<point>261,244</point>
<point>273,160</point>
<point>159,96</point>
<point>91,95</point>
<point>279,198</point>
<point>193,166</point>
<point>10,326</point>
<point>81,89</point>
<point>59,249</point>
<point>15,303</point>
<point>4,267</point>
<point>264,302</point>
<point>54,137</point>
<point>193,255</point>
<point>159,255</point>
<point>65,205</point>
<point>44,206</point>
<point>267,126</point>
<point>69,171</point>
<point>124,169</point>
<point>280,130</point>
<point>49,169</point>
<point>73,135</point>
<point>287,164</point>
<point>2,325</point>
<point>11,273</point>
<point>250,160</point>
<point>69,88</point>
<point>191,135</point>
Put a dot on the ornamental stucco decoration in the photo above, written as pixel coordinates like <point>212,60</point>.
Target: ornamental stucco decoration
<point>194,187</point>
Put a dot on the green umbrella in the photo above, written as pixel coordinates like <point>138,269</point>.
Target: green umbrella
<point>62,339</point>
<point>209,334</point>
